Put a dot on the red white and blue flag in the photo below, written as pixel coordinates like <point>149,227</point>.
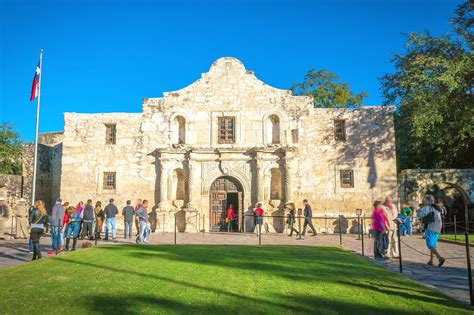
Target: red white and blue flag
<point>35,85</point>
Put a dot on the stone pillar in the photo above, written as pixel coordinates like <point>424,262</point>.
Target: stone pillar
<point>260,180</point>
<point>164,201</point>
<point>191,205</point>
<point>288,180</point>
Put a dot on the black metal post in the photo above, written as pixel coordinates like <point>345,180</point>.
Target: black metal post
<point>175,229</point>
<point>443,223</point>
<point>59,228</point>
<point>469,271</point>
<point>399,248</point>
<point>358,226</point>
<point>299,223</point>
<point>259,234</point>
<point>340,231</point>
<point>203,224</point>
<point>96,233</point>
<point>362,237</point>
<point>455,228</point>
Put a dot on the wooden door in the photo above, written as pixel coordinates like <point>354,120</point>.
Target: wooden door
<point>218,203</point>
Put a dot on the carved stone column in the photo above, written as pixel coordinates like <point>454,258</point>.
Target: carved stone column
<point>260,180</point>
<point>164,201</point>
<point>288,180</point>
<point>191,205</point>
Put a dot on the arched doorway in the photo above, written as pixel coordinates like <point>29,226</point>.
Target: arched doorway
<point>224,191</point>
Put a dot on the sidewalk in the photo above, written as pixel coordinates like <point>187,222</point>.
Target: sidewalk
<point>451,279</point>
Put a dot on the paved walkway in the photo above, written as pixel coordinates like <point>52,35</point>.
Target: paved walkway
<point>451,279</point>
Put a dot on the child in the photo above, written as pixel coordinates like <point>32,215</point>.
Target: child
<point>379,227</point>
<point>407,212</point>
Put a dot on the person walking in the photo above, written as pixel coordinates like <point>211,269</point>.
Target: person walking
<point>4,212</point>
<point>391,212</point>
<point>21,212</point>
<point>100,219</point>
<point>138,204</point>
<point>87,219</point>
<point>430,214</point>
<point>259,218</point>
<point>379,230</point>
<point>111,212</point>
<point>142,214</point>
<point>230,218</point>
<point>80,207</point>
<point>38,218</point>
<point>308,218</point>
<point>291,220</point>
<point>128,212</point>
<point>72,228</point>
<point>57,214</point>
<point>407,213</point>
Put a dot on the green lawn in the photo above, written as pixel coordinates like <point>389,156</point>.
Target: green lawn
<point>460,238</point>
<point>197,279</point>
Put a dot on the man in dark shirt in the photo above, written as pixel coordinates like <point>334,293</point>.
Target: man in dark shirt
<point>308,218</point>
<point>110,212</point>
<point>88,217</point>
<point>128,212</point>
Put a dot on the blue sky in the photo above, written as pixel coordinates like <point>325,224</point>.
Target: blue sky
<point>105,56</point>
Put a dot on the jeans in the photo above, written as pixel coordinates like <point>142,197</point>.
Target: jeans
<point>87,229</point>
<point>30,244</point>
<point>56,237</point>
<point>408,226</point>
<point>229,225</point>
<point>128,226</point>
<point>110,222</point>
<point>73,228</point>
<point>142,233</point>
<point>308,221</point>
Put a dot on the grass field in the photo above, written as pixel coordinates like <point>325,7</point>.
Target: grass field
<point>459,238</point>
<point>197,279</point>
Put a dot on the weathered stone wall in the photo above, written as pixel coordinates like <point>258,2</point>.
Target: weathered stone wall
<point>178,134</point>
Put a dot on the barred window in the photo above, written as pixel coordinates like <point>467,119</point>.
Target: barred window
<point>347,178</point>
<point>110,133</point>
<point>226,129</point>
<point>109,180</point>
<point>340,129</point>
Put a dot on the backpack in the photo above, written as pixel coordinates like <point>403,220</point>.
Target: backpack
<point>429,218</point>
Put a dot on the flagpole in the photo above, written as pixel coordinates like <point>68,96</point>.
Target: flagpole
<point>35,164</point>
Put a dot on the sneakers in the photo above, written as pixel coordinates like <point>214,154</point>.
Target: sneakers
<point>441,262</point>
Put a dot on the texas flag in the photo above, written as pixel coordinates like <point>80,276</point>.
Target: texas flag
<point>35,85</point>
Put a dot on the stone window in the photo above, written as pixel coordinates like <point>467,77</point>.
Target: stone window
<point>347,178</point>
<point>272,126</point>
<point>110,133</point>
<point>179,130</point>
<point>294,135</point>
<point>340,129</point>
<point>109,180</point>
<point>275,184</point>
<point>226,129</point>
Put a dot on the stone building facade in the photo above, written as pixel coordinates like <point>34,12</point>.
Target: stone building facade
<point>229,138</point>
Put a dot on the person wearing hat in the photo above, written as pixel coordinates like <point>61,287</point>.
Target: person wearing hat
<point>3,216</point>
<point>57,214</point>
<point>20,212</point>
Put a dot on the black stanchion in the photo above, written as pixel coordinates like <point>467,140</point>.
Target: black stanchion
<point>455,228</point>
<point>469,271</point>
<point>300,211</point>
<point>340,231</point>
<point>58,240</point>
<point>203,224</point>
<point>95,232</point>
<point>399,248</point>
<point>259,234</point>
<point>358,226</point>
<point>175,230</point>
<point>362,236</point>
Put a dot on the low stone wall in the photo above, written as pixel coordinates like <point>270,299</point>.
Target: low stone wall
<point>11,188</point>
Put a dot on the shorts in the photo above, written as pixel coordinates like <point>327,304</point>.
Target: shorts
<point>431,239</point>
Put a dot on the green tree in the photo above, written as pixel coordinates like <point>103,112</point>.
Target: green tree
<point>432,88</point>
<point>10,150</point>
<point>327,91</point>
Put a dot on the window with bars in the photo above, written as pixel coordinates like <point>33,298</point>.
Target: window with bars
<point>226,129</point>
<point>340,129</point>
<point>347,178</point>
<point>110,133</point>
<point>109,180</point>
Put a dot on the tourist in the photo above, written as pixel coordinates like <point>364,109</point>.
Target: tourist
<point>73,225</point>
<point>65,218</point>
<point>100,218</point>
<point>291,220</point>
<point>138,204</point>
<point>128,213</point>
<point>308,218</point>
<point>80,207</point>
<point>230,218</point>
<point>20,212</point>
<point>3,216</point>
<point>407,213</point>
<point>38,218</point>
<point>57,214</point>
<point>259,218</point>
<point>110,212</point>
<point>431,215</point>
<point>87,217</point>
<point>30,241</point>
<point>391,212</point>
<point>142,215</point>
<point>379,228</point>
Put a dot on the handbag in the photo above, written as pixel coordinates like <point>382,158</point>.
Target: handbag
<point>429,218</point>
